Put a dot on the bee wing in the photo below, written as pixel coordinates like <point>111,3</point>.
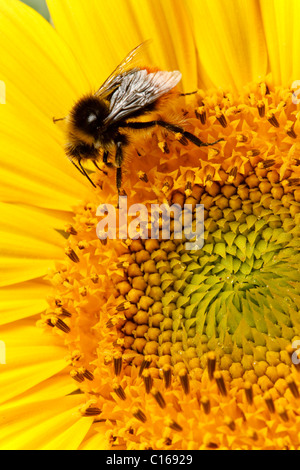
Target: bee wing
<point>139,89</point>
<point>123,69</point>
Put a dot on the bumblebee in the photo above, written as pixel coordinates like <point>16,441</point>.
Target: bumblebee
<point>97,123</point>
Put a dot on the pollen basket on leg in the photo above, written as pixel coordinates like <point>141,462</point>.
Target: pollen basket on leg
<point>158,333</point>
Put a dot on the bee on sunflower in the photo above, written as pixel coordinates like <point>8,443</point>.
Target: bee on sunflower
<point>140,343</point>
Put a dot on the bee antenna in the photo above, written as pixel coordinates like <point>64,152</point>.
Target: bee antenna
<point>188,94</point>
<point>82,171</point>
<point>58,119</point>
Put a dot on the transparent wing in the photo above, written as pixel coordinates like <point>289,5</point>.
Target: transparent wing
<point>139,89</point>
<point>127,66</point>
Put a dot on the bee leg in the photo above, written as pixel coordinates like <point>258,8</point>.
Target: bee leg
<point>98,168</point>
<point>83,171</point>
<point>76,167</point>
<point>119,180</point>
<point>96,165</point>
<point>173,128</point>
<point>105,160</point>
<point>105,156</point>
<point>191,137</point>
<point>119,161</point>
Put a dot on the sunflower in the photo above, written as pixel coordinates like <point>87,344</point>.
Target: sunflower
<point>139,343</point>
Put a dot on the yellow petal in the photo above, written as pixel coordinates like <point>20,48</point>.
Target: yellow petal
<point>280,20</point>
<point>37,426</point>
<point>29,244</point>
<point>22,300</point>
<point>169,25</point>
<point>293,52</point>
<point>53,388</point>
<point>90,30</point>
<point>30,44</point>
<point>34,167</point>
<point>97,441</point>
<point>230,41</point>
<point>72,437</point>
<point>32,356</point>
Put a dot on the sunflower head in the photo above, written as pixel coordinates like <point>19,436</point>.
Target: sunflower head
<point>145,343</point>
<point>163,338</point>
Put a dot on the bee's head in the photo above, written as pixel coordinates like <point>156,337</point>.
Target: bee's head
<point>87,117</point>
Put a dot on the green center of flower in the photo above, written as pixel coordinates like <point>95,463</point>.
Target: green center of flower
<point>237,296</point>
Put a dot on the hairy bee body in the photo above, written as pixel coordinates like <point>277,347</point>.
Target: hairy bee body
<point>99,124</point>
<point>84,122</point>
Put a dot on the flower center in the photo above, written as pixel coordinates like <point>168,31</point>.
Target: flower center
<point>161,338</point>
<point>237,296</point>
